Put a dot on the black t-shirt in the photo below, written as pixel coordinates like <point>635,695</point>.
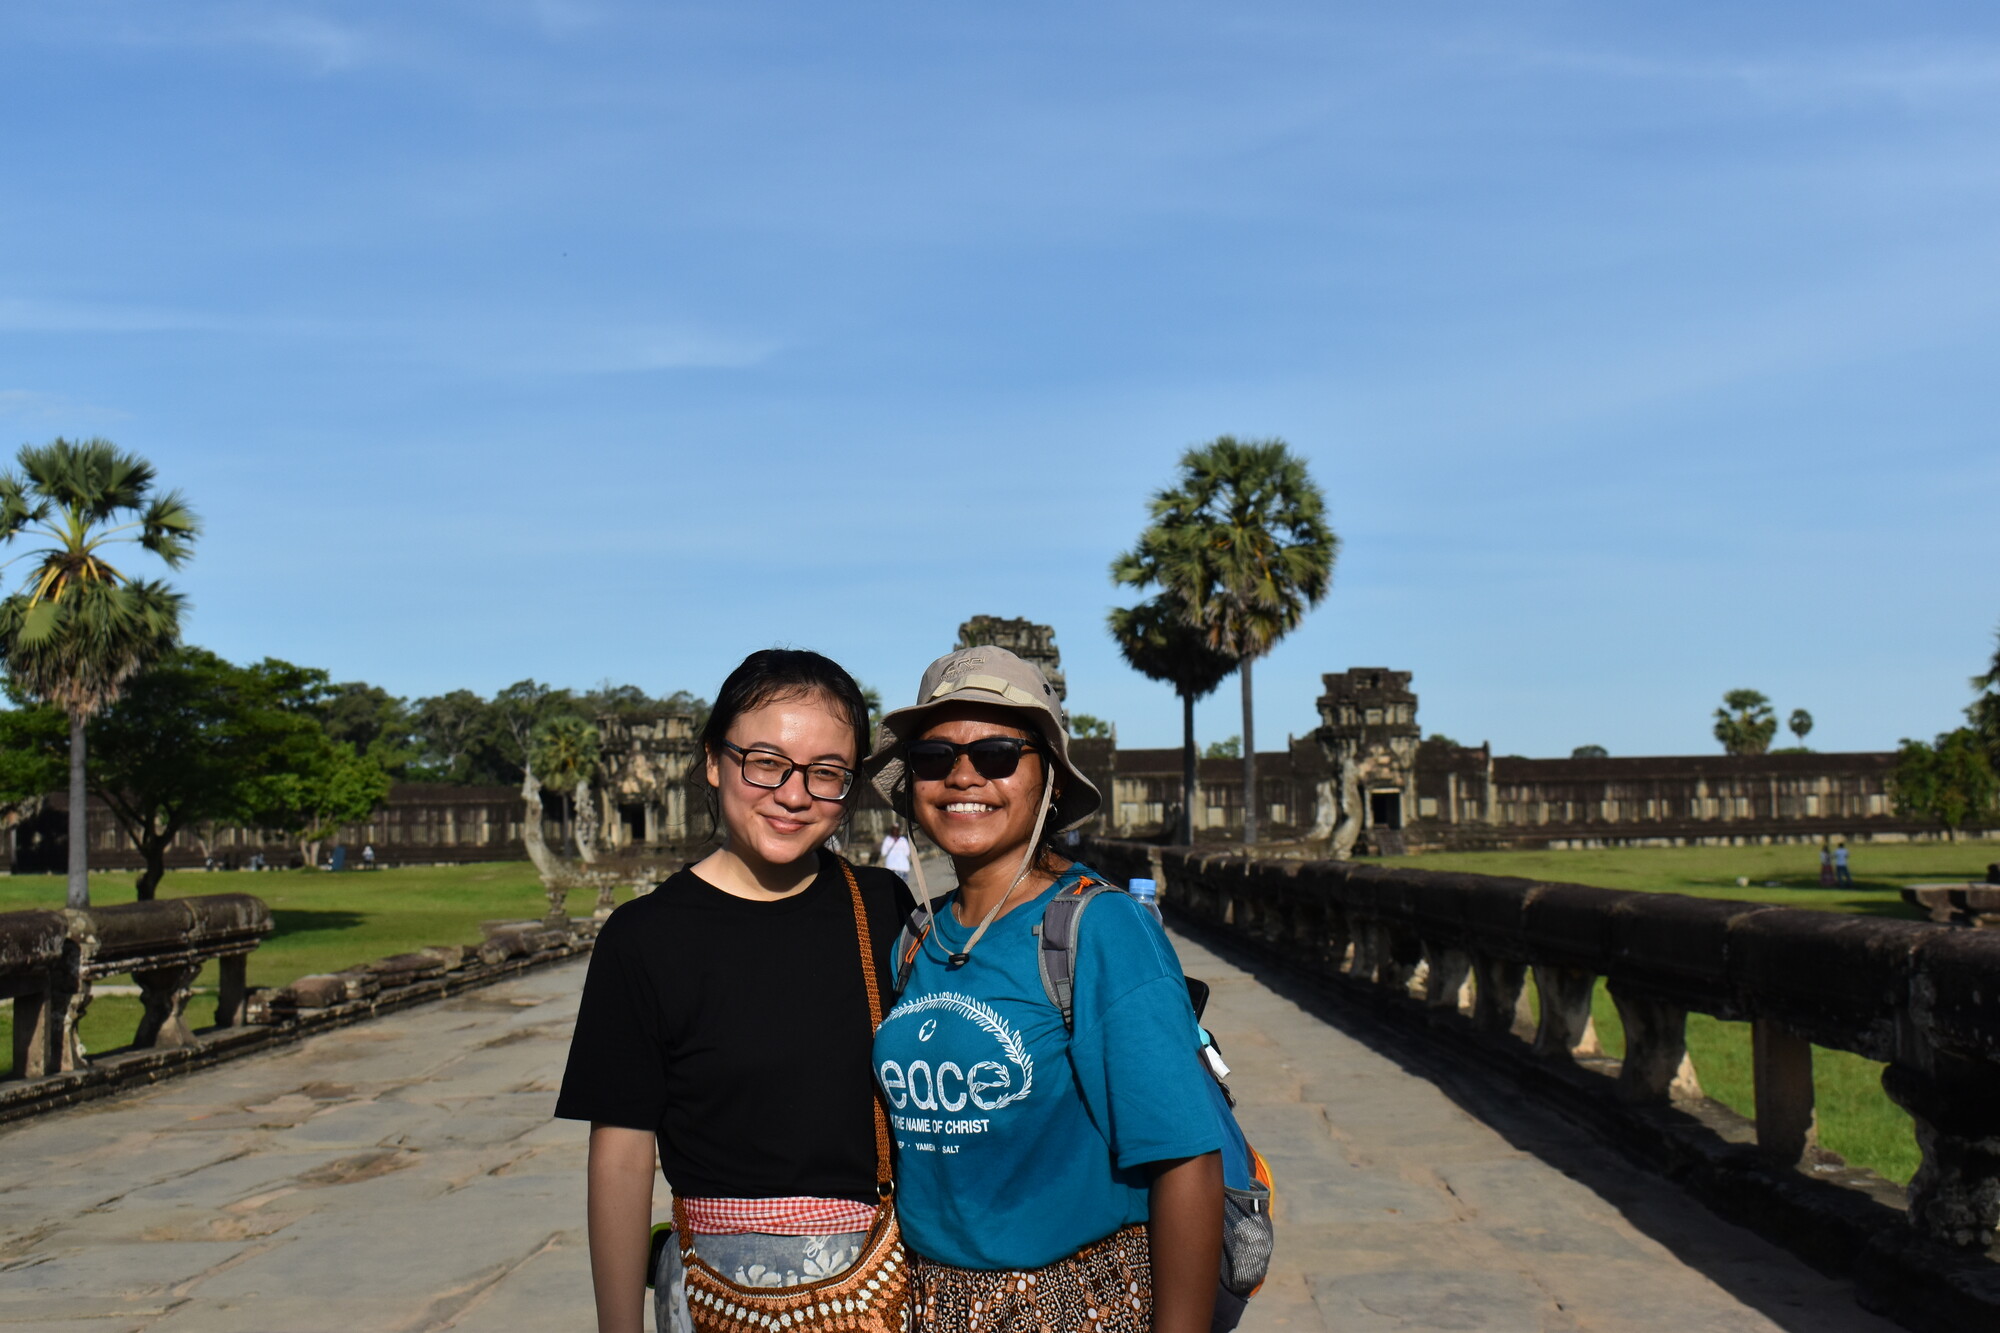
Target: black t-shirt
<point>737,1031</point>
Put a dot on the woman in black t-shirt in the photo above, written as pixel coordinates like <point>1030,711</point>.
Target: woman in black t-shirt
<point>724,1022</point>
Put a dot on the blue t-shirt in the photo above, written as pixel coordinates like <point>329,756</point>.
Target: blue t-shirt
<point>1019,1142</point>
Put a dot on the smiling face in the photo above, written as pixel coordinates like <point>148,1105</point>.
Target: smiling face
<point>973,818</point>
<point>780,826</point>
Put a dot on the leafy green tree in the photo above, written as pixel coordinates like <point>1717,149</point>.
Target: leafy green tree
<point>80,627</point>
<point>315,786</point>
<point>182,744</point>
<point>449,733</point>
<point>1085,727</point>
<point>375,722</point>
<point>1242,542</point>
<point>1984,713</point>
<point>1159,641</point>
<point>32,740</point>
<point>1745,723</point>
<point>1948,781</point>
<point>1590,752</point>
<point>1232,748</point>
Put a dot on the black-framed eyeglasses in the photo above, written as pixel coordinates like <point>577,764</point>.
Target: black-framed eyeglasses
<point>993,757</point>
<point>824,781</point>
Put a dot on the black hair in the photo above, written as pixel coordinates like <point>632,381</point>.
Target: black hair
<point>771,674</point>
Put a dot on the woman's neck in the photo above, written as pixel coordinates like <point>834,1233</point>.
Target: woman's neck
<point>983,882</point>
<point>751,877</point>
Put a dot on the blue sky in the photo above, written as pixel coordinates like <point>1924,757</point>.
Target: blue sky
<point>1643,351</point>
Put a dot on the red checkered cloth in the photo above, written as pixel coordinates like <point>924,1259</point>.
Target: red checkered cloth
<point>800,1216</point>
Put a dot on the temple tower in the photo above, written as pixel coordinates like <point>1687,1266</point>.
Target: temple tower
<point>1023,638</point>
<point>1368,730</point>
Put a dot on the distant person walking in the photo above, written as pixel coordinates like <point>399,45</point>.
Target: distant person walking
<point>368,856</point>
<point>896,852</point>
<point>1826,865</point>
<point>1840,867</point>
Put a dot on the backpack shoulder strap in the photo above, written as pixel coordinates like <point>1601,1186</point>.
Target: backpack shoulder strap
<point>1057,955</point>
<point>908,941</point>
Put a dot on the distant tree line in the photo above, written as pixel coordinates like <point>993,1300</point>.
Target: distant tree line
<point>194,741</point>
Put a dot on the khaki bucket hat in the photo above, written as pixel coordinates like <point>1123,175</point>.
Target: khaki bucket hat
<point>998,679</point>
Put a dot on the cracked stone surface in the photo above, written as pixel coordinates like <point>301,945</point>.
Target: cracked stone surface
<point>405,1175</point>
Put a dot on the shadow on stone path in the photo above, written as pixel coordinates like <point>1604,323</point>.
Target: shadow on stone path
<point>404,1175</point>
<point>1399,1210</point>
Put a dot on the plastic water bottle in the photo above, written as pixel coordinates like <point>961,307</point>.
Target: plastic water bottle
<point>1148,894</point>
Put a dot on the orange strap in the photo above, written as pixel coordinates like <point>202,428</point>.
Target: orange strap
<point>884,1184</point>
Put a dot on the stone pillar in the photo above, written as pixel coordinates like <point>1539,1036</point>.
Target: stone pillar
<point>233,988</point>
<point>1396,961</point>
<point>1656,1064</point>
<point>1565,1019</point>
<point>1955,1195</point>
<point>1782,1062</point>
<point>1445,971</point>
<point>35,1052</point>
<point>165,992</point>
<point>1498,999</point>
<point>1371,942</point>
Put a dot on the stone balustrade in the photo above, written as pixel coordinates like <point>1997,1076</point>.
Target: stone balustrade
<point>50,961</point>
<point>1924,999</point>
<point>32,947</point>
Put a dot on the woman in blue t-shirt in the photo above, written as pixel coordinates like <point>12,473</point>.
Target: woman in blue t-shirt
<point>1049,1176</point>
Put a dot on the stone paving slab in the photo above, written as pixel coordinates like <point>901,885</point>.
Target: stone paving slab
<point>404,1175</point>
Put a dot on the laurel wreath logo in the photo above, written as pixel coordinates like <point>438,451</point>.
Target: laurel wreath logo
<point>966,1007</point>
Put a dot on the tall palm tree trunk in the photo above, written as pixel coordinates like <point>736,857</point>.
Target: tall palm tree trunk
<point>79,823</point>
<point>1188,776</point>
<point>1249,764</point>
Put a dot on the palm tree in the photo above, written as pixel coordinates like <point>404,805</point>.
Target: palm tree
<point>1745,723</point>
<point>79,628</point>
<point>1243,544</point>
<point>566,751</point>
<point>1801,723</point>
<point>1158,641</point>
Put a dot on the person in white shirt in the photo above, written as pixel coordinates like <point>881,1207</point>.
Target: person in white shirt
<point>896,852</point>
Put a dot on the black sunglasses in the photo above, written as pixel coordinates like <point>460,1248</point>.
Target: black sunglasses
<point>993,757</point>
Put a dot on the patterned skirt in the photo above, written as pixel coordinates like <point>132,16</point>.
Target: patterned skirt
<point>1106,1287</point>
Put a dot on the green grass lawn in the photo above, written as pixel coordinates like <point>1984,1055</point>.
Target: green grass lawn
<point>325,922</point>
<point>1856,1118</point>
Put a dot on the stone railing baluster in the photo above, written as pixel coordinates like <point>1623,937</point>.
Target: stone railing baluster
<point>1655,1045</point>
<point>1782,1066</point>
<point>1497,992</point>
<point>1565,994</point>
<point>1446,972</point>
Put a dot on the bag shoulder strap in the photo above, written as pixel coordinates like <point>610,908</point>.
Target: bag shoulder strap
<point>884,1180</point>
<point>1056,957</point>
<point>908,942</point>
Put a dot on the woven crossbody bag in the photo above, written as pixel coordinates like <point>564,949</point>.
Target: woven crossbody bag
<point>872,1296</point>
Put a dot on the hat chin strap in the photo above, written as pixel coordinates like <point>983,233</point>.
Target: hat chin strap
<point>1027,861</point>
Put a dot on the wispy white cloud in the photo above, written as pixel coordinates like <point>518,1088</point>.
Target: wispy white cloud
<point>472,343</point>
<point>30,405</point>
<point>293,32</point>
<point>585,350</point>
<point>1911,74</point>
